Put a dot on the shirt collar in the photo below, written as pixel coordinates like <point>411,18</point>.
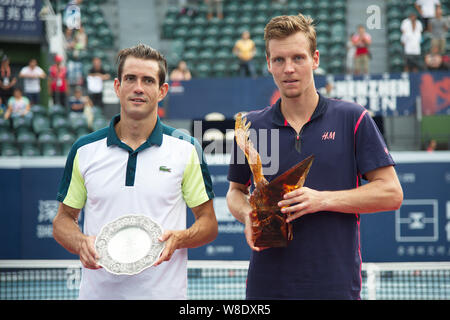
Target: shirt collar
<point>155,137</point>
<point>279,119</point>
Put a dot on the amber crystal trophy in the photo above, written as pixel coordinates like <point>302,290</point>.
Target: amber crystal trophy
<point>269,226</point>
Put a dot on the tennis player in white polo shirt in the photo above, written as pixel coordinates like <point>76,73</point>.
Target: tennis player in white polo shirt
<point>137,165</point>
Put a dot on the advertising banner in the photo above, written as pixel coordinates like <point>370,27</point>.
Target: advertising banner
<point>19,19</point>
<point>383,94</point>
<point>419,231</point>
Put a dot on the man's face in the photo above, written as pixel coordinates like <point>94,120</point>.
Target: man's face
<point>291,65</point>
<point>139,91</point>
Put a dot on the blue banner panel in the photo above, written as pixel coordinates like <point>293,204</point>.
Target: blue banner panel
<point>230,243</point>
<point>420,229</point>
<point>10,213</point>
<point>20,19</point>
<point>387,94</point>
<point>39,207</point>
<point>418,232</point>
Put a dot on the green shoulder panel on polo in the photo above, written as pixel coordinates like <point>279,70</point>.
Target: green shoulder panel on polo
<point>197,184</point>
<point>71,189</point>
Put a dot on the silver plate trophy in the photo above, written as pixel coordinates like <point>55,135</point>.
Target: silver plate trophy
<point>129,244</point>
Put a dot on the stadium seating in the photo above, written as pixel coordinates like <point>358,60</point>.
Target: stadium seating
<point>397,11</point>
<point>204,42</point>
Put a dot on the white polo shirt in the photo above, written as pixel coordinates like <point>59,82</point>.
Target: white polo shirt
<point>109,179</point>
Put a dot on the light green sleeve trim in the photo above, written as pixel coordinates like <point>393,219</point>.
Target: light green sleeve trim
<point>76,194</point>
<point>193,186</point>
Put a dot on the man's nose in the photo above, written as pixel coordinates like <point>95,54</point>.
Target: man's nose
<point>289,66</point>
<point>138,86</point>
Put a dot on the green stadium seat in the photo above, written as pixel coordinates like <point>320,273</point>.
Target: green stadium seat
<point>220,69</point>
<point>78,122</point>
<point>194,43</point>
<point>212,31</point>
<point>197,31</point>
<point>226,42</point>
<point>50,150</point>
<point>224,54</point>
<point>4,124</point>
<point>263,8</point>
<point>24,136</point>
<point>59,121</point>
<point>6,136</point>
<point>169,26</point>
<point>206,55</point>
<point>39,110</point>
<point>99,123</point>
<point>65,148</point>
<point>65,136</point>
<point>29,150</point>
<point>210,43</point>
<point>9,150</point>
<point>47,137</point>
<point>40,123</point>
<point>82,131</point>
<point>229,31</point>
<point>203,70</point>
<point>200,20</point>
<point>21,122</point>
<point>183,21</point>
<point>57,109</point>
<point>181,32</point>
<point>230,20</point>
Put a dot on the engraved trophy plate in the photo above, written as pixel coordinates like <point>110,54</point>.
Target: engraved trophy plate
<point>129,244</point>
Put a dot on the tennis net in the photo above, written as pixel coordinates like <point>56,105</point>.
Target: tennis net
<point>223,280</point>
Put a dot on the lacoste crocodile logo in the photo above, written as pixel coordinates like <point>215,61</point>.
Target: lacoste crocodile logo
<point>165,169</point>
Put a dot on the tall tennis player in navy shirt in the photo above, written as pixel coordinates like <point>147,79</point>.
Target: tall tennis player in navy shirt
<point>323,261</point>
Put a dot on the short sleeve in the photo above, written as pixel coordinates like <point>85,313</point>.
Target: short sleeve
<point>196,183</point>
<point>370,148</point>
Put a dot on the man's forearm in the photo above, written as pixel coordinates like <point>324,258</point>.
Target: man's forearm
<point>67,232</point>
<point>203,231</point>
<point>238,204</point>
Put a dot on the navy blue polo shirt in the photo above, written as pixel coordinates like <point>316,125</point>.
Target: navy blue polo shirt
<point>323,261</point>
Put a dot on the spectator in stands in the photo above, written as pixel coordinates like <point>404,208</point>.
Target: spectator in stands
<point>7,81</point>
<point>2,107</point>
<point>81,104</point>
<point>431,145</point>
<point>69,40</point>
<point>350,58</point>
<point>188,7</point>
<point>438,27</point>
<point>181,72</point>
<point>411,38</point>
<point>57,81</point>
<point>32,75</point>
<point>361,41</point>
<point>433,59</point>
<point>80,41</point>
<point>214,6</point>
<point>72,14</point>
<point>245,50</point>
<point>427,10</point>
<point>18,106</point>
<point>95,80</point>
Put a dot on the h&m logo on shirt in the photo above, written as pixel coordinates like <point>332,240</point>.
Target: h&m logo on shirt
<point>328,135</point>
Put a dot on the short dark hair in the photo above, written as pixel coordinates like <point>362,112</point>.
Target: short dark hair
<point>142,51</point>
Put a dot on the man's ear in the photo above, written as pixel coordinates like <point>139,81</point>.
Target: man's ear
<point>163,90</point>
<point>269,65</point>
<point>316,60</point>
<point>117,87</point>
